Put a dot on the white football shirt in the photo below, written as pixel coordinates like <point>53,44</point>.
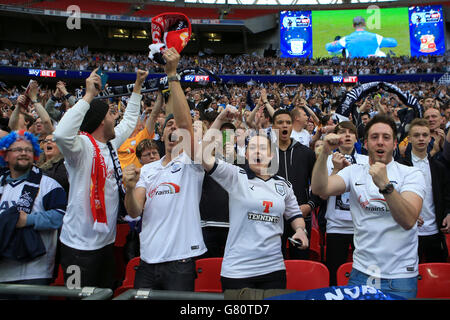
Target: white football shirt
<point>382,247</point>
<point>256,209</point>
<point>171,227</point>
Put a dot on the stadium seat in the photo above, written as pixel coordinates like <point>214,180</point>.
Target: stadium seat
<point>208,275</point>
<point>434,280</point>
<point>191,12</point>
<point>314,246</point>
<point>121,238</point>
<point>343,273</point>
<point>121,234</point>
<point>130,272</point>
<point>87,6</point>
<point>447,238</point>
<point>306,275</point>
<point>59,281</point>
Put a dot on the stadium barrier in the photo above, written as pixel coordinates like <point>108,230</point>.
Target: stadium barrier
<point>150,294</point>
<point>86,293</point>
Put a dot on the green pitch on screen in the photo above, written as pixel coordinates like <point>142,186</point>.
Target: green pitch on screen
<point>328,24</point>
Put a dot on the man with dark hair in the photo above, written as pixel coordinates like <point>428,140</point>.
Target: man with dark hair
<point>167,195</point>
<point>295,163</point>
<point>365,118</point>
<point>434,217</point>
<point>95,198</point>
<point>385,200</point>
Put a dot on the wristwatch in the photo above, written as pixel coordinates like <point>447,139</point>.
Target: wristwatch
<point>175,77</point>
<point>388,189</point>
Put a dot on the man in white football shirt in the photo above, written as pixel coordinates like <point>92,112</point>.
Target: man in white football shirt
<point>385,200</point>
<point>167,193</point>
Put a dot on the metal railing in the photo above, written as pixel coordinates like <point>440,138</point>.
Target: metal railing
<point>150,294</point>
<point>86,293</point>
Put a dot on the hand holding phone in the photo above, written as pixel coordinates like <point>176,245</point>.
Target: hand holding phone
<point>295,242</point>
<point>104,78</point>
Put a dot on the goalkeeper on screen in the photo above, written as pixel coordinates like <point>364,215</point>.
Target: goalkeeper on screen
<point>361,43</point>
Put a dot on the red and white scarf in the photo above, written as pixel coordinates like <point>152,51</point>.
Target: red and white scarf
<point>97,189</point>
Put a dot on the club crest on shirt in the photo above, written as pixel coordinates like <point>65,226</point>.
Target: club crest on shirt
<point>176,166</point>
<point>280,188</point>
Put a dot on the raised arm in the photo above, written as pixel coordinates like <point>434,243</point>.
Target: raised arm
<point>177,103</point>
<point>40,110</point>
<point>266,103</point>
<point>251,117</point>
<point>314,117</point>
<point>322,184</point>
<point>134,197</point>
<point>66,132</point>
<point>150,123</point>
<point>126,126</point>
<point>13,122</point>
<point>213,133</point>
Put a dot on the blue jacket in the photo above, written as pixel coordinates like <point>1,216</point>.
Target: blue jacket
<point>21,244</point>
<point>361,44</point>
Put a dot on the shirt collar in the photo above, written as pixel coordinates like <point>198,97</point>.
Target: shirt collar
<point>22,177</point>
<point>415,158</point>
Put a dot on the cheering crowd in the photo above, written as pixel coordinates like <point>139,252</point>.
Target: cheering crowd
<point>241,172</point>
<point>79,59</point>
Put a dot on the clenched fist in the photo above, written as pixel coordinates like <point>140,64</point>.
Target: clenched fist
<point>339,161</point>
<point>331,141</point>
<point>172,57</point>
<point>131,176</point>
<point>379,174</point>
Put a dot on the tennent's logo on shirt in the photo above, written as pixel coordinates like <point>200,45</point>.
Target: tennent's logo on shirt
<point>376,205</point>
<point>164,189</point>
<point>264,217</point>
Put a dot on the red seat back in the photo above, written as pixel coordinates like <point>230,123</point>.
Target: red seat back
<point>208,275</point>
<point>122,230</point>
<point>130,273</point>
<point>434,280</point>
<point>314,245</point>
<point>343,273</point>
<point>306,275</point>
<point>447,239</point>
<point>59,281</point>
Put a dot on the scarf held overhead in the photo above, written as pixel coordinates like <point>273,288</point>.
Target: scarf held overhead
<point>169,30</point>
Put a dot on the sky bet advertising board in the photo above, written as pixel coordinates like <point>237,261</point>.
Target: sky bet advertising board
<point>362,33</point>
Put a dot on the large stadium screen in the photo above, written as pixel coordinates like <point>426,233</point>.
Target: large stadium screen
<point>295,34</point>
<point>426,28</point>
<point>417,30</point>
<point>385,31</point>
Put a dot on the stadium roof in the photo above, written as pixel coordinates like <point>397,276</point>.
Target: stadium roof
<point>279,2</point>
